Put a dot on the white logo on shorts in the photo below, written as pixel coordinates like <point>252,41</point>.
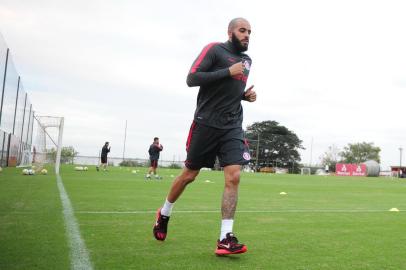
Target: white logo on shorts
<point>246,156</point>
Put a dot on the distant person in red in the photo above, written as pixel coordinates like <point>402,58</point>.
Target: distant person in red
<point>154,149</point>
<point>103,156</point>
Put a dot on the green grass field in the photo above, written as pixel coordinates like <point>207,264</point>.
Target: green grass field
<point>322,222</point>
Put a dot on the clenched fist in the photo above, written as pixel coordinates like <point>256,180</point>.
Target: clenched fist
<point>236,69</point>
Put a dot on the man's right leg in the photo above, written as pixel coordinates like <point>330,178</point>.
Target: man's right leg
<point>150,169</point>
<point>186,177</point>
<point>178,186</point>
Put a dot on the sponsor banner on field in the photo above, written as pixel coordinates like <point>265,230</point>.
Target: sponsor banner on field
<point>359,170</point>
<point>344,169</point>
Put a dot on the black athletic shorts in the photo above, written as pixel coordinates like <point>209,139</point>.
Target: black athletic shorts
<point>154,163</point>
<point>205,143</point>
<point>104,159</point>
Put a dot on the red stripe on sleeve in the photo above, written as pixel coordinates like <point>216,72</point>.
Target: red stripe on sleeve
<point>201,57</point>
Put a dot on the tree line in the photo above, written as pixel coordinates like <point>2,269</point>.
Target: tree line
<point>274,145</point>
<point>352,153</point>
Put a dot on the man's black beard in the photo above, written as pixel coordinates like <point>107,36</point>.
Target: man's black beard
<point>237,44</point>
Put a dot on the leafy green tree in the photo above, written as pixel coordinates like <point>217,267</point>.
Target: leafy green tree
<point>331,157</point>
<point>68,154</point>
<point>272,144</point>
<point>360,152</point>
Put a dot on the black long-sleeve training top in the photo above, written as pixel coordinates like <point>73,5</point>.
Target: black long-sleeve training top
<point>105,151</point>
<point>154,150</point>
<point>220,95</point>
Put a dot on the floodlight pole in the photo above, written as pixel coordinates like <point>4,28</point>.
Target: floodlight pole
<point>4,84</point>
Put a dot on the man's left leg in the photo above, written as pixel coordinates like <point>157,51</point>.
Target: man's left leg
<point>154,170</point>
<point>228,243</point>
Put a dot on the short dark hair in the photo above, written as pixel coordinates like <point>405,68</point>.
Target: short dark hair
<point>106,143</point>
<point>156,138</point>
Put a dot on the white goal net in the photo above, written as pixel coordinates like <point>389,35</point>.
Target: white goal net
<point>47,146</point>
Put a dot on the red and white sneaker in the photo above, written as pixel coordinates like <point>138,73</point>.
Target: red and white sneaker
<point>161,226</point>
<point>229,245</point>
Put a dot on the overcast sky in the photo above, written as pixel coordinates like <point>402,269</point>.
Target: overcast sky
<point>333,72</point>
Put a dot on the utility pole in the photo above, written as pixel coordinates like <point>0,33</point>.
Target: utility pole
<point>125,138</point>
<point>400,161</point>
<point>257,150</point>
<point>311,152</point>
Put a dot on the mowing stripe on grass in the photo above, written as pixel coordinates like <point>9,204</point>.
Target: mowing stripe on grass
<point>79,255</point>
<point>245,211</point>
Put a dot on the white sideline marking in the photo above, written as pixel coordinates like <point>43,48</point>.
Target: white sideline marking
<point>245,211</point>
<point>79,255</point>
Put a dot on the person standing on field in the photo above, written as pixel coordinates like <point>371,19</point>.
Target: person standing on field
<point>154,149</point>
<point>221,71</point>
<point>103,157</point>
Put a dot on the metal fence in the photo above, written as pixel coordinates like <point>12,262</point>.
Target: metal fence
<point>16,112</point>
<point>116,161</point>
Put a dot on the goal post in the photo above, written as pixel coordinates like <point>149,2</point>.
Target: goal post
<point>47,147</point>
<point>59,148</point>
<point>305,171</point>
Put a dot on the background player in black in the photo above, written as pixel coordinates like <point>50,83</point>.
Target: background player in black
<point>154,149</point>
<point>221,71</point>
<point>103,157</point>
